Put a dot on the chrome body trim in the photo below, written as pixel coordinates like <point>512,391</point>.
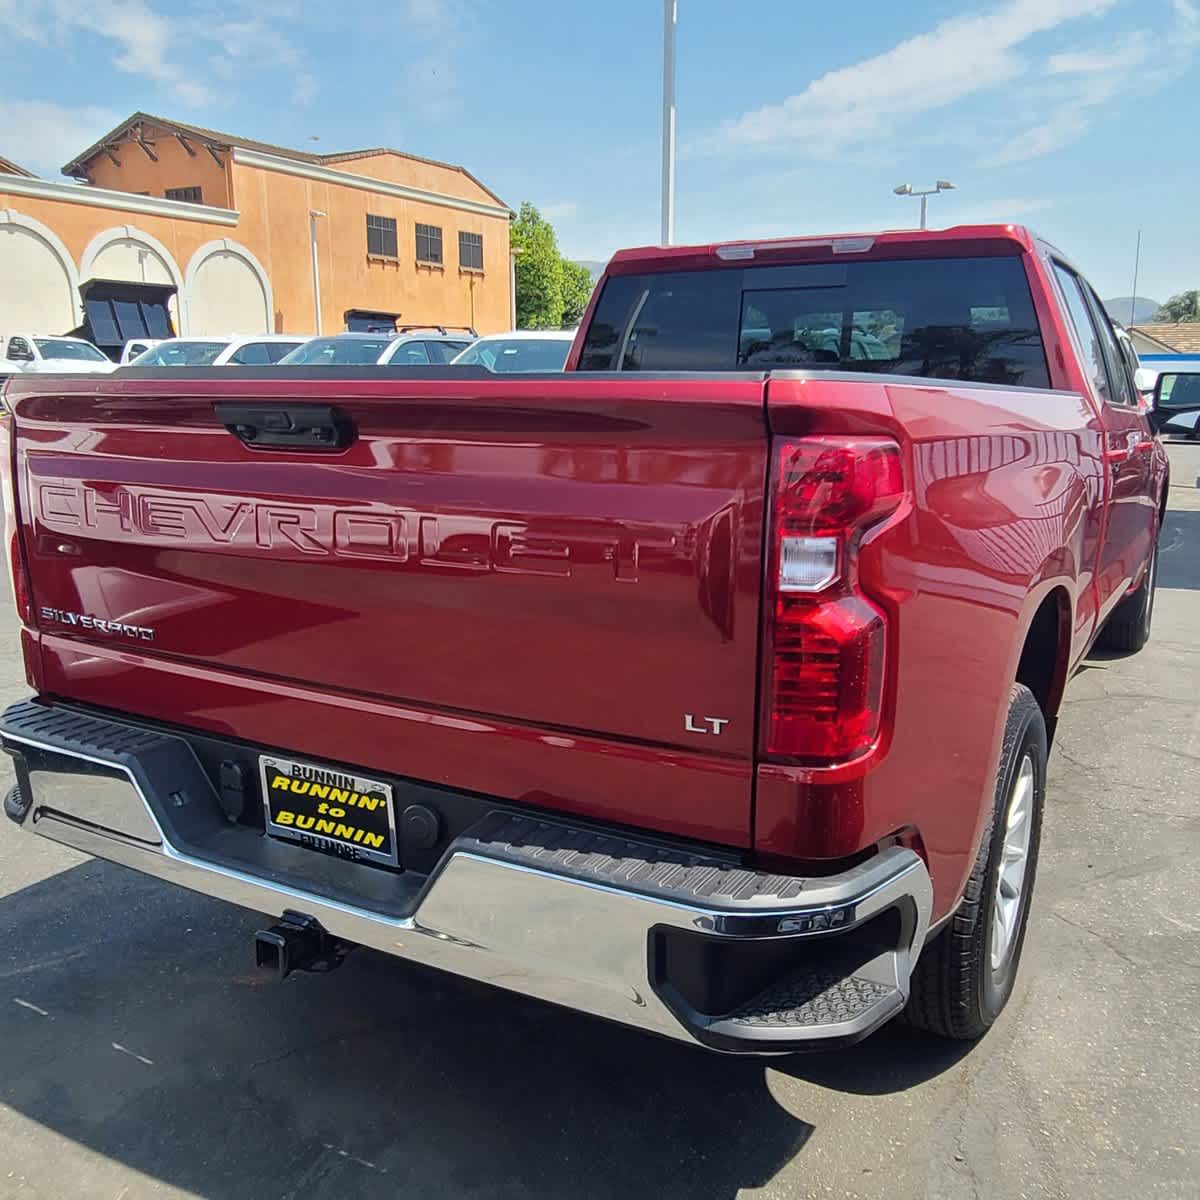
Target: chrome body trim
<point>574,942</point>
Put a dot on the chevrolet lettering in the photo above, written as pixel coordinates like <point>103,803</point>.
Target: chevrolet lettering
<point>459,541</point>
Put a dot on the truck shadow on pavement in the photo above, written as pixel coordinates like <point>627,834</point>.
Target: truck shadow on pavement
<point>133,1023</point>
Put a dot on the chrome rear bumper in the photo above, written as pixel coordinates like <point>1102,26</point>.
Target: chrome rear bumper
<point>634,932</point>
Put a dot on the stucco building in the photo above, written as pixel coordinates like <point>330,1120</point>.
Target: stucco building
<point>177,228</point>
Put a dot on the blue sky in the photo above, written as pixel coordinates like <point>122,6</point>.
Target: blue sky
<point>1078,117</point>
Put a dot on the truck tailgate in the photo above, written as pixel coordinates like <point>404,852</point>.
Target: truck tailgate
<point>561,557</point>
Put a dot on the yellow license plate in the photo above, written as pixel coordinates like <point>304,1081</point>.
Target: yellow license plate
<point>331,810</point>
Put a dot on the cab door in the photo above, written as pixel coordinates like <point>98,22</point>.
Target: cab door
<point>1131,513</point>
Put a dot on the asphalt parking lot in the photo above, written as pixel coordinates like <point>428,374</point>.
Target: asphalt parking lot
<point>141,1054</point>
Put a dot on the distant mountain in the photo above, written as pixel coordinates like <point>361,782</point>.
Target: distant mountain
<point>594,268</point>
<point>1143,309</point>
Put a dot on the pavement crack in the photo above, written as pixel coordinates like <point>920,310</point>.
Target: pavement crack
<point>328,1040</point>
<point>1175,751</point>
<point>1099,937</point>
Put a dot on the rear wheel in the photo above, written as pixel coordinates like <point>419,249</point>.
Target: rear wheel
<point>965,976</point>
<point>1128,628</point>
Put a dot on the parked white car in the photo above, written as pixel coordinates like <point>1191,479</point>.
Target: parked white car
<point>256,350</point>
<point>379,349</point>
<point>31,352</point>
<point>521,350</point>
<point>136,346</point>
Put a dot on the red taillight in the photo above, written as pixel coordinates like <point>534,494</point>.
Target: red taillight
<point>828,641</point>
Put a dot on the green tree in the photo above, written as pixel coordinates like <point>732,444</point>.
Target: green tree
<point>1184,307</point>
<point>552,292</point>
<point>538,270</point>
<point>576,291</point>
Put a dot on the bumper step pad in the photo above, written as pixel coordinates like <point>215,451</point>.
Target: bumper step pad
<point>812,997</point>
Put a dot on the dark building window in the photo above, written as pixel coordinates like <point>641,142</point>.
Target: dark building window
<point>429,243</point>
<point>381,236</point>
<point>470,251</point>
<point>191,195</point>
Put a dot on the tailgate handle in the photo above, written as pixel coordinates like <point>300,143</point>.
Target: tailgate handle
<point>287,426</point>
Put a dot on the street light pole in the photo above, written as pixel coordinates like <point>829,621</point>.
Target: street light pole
<point>668,122</point>
<point>907,189</point>
<point>513,251</point>
<point>313,214</point>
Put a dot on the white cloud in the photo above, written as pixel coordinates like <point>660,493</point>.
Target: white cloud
<point>250,37</point>
<point>562,210</point>
<point>42,136</point>
<point>1043,101</point>
<point>1079,83</point>
<point>142,37</point>
<point>152,44</point>
<point>1135,50</point>
<point>868,100</point>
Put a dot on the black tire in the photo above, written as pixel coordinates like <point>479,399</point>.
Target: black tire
<point>1128,629</point>
<point>956,991</point>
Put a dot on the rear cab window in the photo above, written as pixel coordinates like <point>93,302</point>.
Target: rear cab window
<point>969,319</point>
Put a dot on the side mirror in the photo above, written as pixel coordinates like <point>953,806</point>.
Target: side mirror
<point>1143,379</point>
<point>16,354</point>
<point>1176,394</point>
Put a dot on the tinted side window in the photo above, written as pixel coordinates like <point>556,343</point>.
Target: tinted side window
<point>252,355</point>
<point>1122,381</point>
<point>444,352</point>
<point>1089,340</point>
<point>410,354</point>
<point>970,319</point>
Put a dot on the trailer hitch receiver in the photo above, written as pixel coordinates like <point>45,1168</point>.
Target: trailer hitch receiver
<point>298,943</point>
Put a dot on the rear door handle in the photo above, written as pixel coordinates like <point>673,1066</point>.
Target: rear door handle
<point>288,426</point>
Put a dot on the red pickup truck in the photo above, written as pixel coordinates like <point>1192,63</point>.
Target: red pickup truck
<point>706,687</point>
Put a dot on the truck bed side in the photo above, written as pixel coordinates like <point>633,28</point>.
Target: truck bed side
<point>1005,515</point>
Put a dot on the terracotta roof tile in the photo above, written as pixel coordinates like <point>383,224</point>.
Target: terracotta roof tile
<point>1183,338</point>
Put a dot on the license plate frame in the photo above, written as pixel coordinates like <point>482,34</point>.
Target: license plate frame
<point>344,809</point>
